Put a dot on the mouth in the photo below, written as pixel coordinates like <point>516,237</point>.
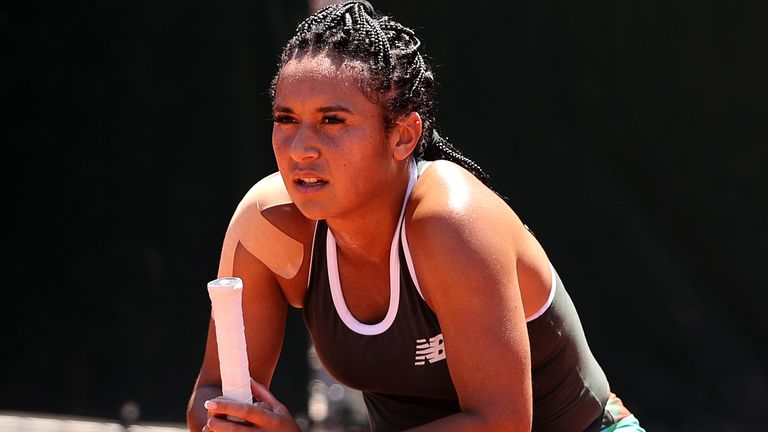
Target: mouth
<point>308,182</point>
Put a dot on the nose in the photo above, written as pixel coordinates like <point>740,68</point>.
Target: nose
<point>304,145</point>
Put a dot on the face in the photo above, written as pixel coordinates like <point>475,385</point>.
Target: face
<point>330,140</point>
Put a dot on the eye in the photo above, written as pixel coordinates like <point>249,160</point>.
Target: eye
<point>283,119</point>
<point>332,119</point>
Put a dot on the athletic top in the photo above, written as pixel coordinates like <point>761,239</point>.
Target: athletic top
<point>399,363</point>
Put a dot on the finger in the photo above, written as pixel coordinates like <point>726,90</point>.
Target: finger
<point>256,414</point>
<point>261,393</point>
<point>264,405</point>
<point>216,424</point>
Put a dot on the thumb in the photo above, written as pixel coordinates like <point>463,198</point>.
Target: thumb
<point>261,393</point>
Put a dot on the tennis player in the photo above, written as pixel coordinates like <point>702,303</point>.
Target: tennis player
<point>419,285</point>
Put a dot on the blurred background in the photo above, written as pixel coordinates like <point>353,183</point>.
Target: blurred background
<point>630,136</point>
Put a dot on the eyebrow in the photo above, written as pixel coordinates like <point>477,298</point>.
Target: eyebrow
<point>325,109</point>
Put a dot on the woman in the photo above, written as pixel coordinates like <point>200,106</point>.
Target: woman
<point>419,285</point>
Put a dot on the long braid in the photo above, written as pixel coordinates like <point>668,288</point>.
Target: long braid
<point>400,79</point>
<point>442,149</point>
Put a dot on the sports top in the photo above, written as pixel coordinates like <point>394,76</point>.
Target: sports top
<point>399,363</point>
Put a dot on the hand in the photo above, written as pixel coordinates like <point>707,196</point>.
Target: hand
<point>267,414</point>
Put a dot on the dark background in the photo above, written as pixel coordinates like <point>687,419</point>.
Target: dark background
<point>631,136</point>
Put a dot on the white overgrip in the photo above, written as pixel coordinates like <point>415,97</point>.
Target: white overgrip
<point>226,301</point>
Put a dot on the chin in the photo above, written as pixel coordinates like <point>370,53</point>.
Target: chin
<point>313,211</point>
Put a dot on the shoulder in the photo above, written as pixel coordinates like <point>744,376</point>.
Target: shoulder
<point>269,227</point>
<point>448,199</point>
<point>267,205</point>
<point>268,192</point>
<point>459,229</point>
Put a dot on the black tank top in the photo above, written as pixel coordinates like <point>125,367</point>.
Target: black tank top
<point>399,363</point>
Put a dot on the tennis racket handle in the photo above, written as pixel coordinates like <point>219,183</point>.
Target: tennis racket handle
<point>227,305</point>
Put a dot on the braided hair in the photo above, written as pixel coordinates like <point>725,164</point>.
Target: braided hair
<point>399,79</point>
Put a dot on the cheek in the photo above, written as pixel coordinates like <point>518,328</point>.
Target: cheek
<point>368,142</point>
<point>279,140</point>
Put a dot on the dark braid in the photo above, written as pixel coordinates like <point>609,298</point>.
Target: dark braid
<point>399,78</point>
<point>442,149</point>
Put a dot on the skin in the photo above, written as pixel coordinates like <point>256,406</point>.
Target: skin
<point>327,129</point>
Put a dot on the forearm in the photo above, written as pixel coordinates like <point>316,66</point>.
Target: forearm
<point>473,422</point>
<point>197,414</point>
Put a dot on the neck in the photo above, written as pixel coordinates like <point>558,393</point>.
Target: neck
<point>366,236</point>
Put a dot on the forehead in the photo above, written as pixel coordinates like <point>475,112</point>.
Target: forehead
<point>320,77</point>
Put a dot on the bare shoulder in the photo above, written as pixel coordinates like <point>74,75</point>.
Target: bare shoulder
<point>270,227</point>
<point>448,199</point>
<point>459,229</point>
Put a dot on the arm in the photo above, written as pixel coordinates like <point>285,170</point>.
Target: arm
<point>473,286</point>
<point>264,313</point>
<point>261,248</point>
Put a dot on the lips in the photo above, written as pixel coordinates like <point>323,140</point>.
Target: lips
<point>308,180</point>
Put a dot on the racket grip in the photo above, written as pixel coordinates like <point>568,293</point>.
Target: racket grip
<point>227,305</point>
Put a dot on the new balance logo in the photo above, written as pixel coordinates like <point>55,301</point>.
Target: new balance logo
<point>431,350</point>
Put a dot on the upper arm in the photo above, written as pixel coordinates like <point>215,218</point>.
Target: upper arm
<point>472,286</point>
<point>263,246</point>
<point>264,314</point>
<point>271,242</point>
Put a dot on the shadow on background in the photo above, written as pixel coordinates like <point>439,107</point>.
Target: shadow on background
<point>631,138</point>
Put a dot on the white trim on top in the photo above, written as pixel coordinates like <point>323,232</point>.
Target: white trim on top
<point>412,271</point>
<point>311,256</point>
<point>406,247</point>
<point>409,262</point>
<point>550,298</point>
<point>394,278</point>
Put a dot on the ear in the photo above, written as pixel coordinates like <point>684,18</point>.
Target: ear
<point>405,135</point>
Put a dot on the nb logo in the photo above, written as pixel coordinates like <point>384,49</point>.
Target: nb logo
<point>431,350</point>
